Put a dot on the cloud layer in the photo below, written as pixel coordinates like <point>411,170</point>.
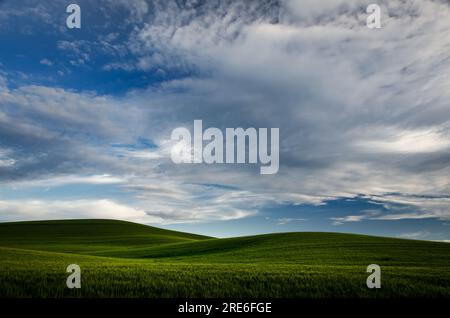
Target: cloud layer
<point>361,112</point>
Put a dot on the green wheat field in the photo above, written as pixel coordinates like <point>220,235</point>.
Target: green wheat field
<point>123,259</point>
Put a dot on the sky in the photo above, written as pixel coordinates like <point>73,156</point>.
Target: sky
<point>86,114</point>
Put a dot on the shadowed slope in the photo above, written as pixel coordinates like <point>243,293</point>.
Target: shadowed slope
<point>86,236</point>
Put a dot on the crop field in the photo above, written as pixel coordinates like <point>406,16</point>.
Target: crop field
<point>122,259</point>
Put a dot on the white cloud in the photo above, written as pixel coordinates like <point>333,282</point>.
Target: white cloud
<point>46,62</point>
<point>57,181</point>
<point>70,209</point>
<point>415,235</point>
<point>3,84</point>
<point>348,218</point>
<point>420,141</point>
<point>417,206</point>
<point>283,221</point>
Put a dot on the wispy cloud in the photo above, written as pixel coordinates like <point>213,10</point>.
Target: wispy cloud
<point>68,209</point>
<point>46,62</point>
<point>283,221</point>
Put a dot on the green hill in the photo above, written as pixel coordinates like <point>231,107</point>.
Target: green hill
<point>87,236</point>
<point>298,248</point>
<point>123,259</point>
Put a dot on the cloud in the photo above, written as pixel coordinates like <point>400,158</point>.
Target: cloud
<point>426,141</point>
<point>415,235</point>
<point>50,131</point>
<point>191,202</point>
<point>62,180</point>
<point>283,221</point>
<point>360,112</point>
<point>3,84</point>
<point>404,206</point>
<point>365,215</point>
<point>5,159</point>
<point>69,209</point>
<point>46,62</point>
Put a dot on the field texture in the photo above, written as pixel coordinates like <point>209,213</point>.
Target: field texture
<point>122,259</point>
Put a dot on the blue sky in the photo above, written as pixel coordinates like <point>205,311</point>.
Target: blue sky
<point>86,114</point>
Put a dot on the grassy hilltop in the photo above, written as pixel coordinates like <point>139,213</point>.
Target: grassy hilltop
<point>123,259</point>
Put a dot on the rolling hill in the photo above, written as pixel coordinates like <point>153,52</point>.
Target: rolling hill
<point>123,259</point>
<point>87,236</point>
